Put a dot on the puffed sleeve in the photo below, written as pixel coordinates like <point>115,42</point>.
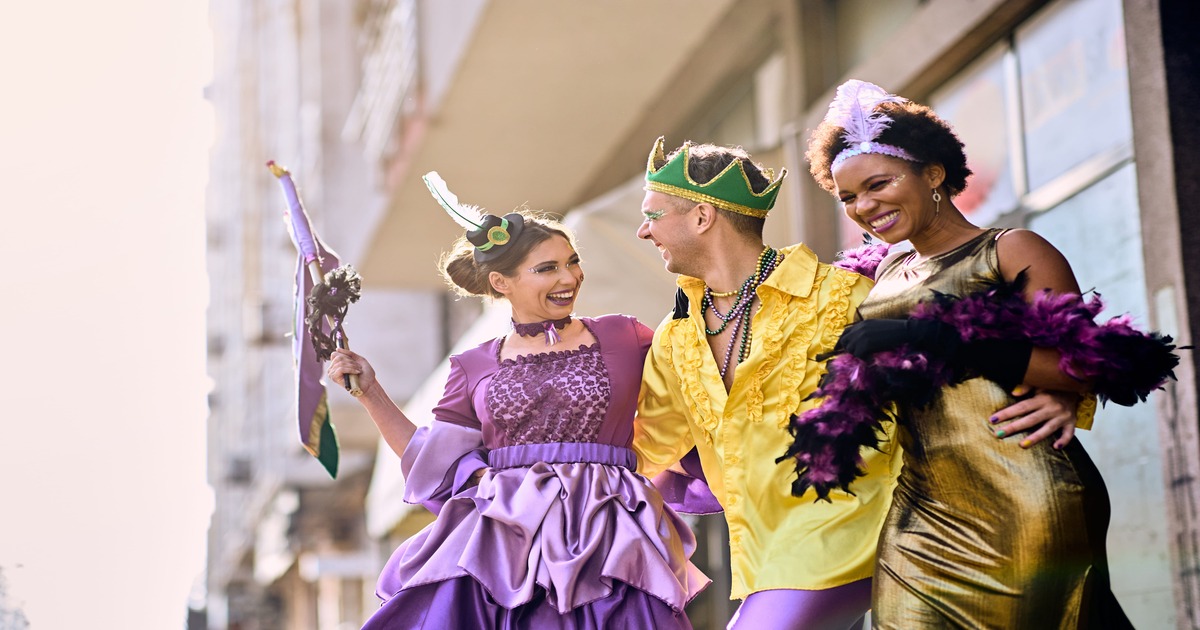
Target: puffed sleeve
<point>685,488</point>
<point>441,457</point>
<point>645,335</point>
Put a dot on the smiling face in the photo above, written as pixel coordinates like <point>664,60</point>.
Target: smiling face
<point>546,284</point>
<point>665,225</point>
<point>888,197</point>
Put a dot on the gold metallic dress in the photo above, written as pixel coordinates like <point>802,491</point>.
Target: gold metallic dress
<point>983,533</point>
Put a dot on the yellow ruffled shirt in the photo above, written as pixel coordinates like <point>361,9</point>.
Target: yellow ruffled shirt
<point>777,541</point>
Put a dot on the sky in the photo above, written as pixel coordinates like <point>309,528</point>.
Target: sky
<point>104,138</point>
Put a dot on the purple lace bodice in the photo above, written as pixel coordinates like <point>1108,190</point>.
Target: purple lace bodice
<point>578,398</point>
<point>583,395</point>
<point>555,397</point>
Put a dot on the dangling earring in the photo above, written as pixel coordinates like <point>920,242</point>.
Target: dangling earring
<point>937,199</point>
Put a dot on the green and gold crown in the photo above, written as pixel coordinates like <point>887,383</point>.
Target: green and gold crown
<point>729,190</point>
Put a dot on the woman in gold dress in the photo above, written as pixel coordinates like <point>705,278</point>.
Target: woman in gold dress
<point>982,532</point>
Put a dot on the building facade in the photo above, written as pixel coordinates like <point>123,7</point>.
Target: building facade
<point>1074,113</point>
<point>288,546</point>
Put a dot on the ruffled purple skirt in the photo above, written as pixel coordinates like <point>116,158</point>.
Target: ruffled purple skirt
<point>555,535</point>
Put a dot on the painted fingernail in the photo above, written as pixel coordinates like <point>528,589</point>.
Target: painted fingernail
<point>1025,444</point>
<point>1058,447</point>
<point>1020,390</point>
<point>1000,433</point>
<point>994,419</point>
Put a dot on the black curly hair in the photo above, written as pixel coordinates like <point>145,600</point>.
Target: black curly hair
<point>914,128</point>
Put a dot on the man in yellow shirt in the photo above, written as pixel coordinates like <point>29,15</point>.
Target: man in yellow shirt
<point>726,371</point>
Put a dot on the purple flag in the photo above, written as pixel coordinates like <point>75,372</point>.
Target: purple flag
<point>312,406</point>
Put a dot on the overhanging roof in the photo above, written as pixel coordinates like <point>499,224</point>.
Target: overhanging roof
<point>544,96</point>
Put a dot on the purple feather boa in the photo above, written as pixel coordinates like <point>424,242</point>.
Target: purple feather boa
<point>1121,363</point>
<point>863,260</point>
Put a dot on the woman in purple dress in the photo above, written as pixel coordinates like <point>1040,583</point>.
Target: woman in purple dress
<point>541,521</point>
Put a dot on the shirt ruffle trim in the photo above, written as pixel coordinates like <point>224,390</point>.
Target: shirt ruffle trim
<point>797,365</point>
<point>838,310</point>
<point>772,337</point>
<point>689,375</point>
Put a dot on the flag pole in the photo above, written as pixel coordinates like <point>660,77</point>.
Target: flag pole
<point>306,242</point>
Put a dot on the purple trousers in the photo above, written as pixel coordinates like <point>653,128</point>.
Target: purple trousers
<point>837,608</point>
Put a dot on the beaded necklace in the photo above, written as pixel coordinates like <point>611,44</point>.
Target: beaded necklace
<point>739,314</point>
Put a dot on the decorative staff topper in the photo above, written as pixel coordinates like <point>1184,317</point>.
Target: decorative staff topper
<point>318,325</point>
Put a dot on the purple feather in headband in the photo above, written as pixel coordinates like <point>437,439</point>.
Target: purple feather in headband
<point>853,109</point>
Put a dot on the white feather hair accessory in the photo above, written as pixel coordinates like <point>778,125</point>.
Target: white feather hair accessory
<point>487,232</point>
<point>469,217</point>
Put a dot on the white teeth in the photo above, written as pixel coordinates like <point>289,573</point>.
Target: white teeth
<point>562,296</point>
<point>884,219</point>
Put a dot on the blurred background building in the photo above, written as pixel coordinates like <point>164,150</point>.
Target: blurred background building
<point>1077,116</point>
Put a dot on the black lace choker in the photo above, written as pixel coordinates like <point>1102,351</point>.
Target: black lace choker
<point>549,326</point>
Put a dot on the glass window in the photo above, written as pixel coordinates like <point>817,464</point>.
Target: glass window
<point>978,103</point>
<point>1074,85</point>
<point>1099,231</point>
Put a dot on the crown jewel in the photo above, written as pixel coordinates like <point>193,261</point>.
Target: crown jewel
<point>729,190</point>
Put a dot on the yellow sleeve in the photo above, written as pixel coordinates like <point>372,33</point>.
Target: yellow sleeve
<point>862,287</point>
<point>661,433</point>
<point>1085,414</point>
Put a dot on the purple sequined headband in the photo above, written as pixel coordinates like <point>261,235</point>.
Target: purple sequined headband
<point>853,109</point>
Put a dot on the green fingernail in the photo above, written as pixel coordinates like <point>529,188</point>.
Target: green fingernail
<point>1000,433</point>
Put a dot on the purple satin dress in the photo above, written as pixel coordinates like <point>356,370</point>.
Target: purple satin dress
<point>560,532</point>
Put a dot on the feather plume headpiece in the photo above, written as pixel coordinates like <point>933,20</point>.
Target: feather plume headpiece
<point>487,232</point>
<point>467,216</point>
<point>853,109</point>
